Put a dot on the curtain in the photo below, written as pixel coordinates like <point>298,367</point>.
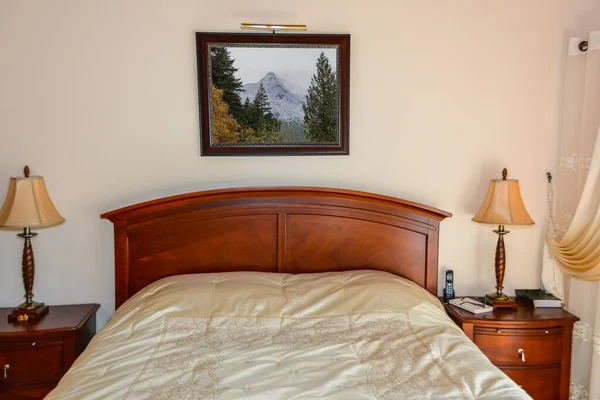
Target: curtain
<point>571,268</point>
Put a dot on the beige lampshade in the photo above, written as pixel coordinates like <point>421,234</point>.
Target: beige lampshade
<point>28,204</point>
<point>503,205</point>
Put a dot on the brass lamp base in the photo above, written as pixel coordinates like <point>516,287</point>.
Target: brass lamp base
<point>28,312</point>
<point>500,301</point>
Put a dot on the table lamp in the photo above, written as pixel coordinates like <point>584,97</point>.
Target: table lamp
<point>502,206</point>
<point>27,206</point>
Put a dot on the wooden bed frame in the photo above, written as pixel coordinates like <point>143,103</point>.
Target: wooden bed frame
<point>274,229</point>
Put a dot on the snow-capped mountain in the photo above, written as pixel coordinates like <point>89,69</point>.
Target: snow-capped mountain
<point>296,81</point>
<point>285,104</point>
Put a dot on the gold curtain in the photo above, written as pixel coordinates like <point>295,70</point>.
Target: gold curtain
<point>577,254</point>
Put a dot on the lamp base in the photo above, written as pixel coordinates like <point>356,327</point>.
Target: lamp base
<point>28,312</point>
<point>502,301</point>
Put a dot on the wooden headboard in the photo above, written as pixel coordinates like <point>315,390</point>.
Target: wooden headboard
<point>278,229</point>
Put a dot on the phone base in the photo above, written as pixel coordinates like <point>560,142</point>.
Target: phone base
<point>448,297</point>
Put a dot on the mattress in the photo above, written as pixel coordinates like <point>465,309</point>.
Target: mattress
<point>251,335</point>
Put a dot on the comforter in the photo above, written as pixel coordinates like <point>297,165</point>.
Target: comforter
<point>250,335</point>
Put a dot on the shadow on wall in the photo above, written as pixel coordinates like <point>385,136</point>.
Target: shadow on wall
<point>480,182</point>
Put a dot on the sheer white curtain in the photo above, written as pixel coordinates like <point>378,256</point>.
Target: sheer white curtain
<point>572,257</point>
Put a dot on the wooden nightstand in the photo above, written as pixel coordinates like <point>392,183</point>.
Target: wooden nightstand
<point>531,345</point>
<point>34,357</point>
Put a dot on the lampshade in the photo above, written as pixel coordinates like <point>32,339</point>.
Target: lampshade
<point>28,204</point>
<point>503,204</point>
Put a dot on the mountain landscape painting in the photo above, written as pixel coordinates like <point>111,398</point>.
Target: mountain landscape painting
<point>273,95</point>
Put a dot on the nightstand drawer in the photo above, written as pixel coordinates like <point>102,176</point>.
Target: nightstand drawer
<point>542,383</point>
<point>520,347</point>
<point>33,361</point>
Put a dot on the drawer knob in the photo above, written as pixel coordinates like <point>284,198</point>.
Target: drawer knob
<point>522,353</point>
<point>498,330</point>
<point>547,332</point>
<point>6,368</point>
<point>33,344</point>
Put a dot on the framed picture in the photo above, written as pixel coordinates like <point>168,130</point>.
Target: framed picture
<point>273,94</point>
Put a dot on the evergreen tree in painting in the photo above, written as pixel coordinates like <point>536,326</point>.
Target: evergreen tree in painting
<point>258,122</point>
<point>265,120</point>
<point>245,115</point>
<point>223,77</point>
<point>257,114</point>
<point>320,111</point>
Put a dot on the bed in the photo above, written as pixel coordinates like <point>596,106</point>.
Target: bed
<point>280,293</point>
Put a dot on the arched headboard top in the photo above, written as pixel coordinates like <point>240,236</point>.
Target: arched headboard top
<point>273,229</point>
<point>292,193</point>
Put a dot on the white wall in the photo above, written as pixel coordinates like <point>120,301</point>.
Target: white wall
<point>100,98</point>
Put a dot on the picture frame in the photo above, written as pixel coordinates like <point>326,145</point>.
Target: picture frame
<point>265,94</point>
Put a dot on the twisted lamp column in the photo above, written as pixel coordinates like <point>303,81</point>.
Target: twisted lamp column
<point>28,269</point>
<point>500,264</point>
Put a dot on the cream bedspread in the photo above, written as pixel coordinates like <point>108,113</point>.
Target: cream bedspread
<point>249,335</point>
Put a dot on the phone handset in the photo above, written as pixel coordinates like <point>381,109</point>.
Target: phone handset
<point>449,287</point>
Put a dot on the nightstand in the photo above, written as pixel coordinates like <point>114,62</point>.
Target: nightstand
<point>530,345</point>
<point>34,357</point>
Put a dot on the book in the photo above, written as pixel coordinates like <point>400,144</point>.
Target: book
<point>537,298</point>
<point>471,305</point>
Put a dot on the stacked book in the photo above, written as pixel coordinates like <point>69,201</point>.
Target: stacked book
<point>537,298</point>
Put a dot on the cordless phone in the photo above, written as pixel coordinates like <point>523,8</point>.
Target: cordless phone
<point>449,287</point>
